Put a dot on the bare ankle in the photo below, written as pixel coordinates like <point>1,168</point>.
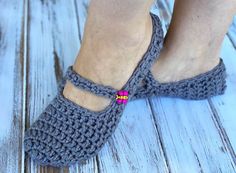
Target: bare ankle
<point>175,67</point>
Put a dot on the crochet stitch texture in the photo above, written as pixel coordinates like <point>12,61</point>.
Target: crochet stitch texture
<point>202,86</point>
<point>66,133</point>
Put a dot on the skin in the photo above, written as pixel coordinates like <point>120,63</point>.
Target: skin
<point>116,37</point>
<point>193,42</point>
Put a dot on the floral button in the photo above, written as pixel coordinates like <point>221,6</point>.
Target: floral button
<point>122,97</point>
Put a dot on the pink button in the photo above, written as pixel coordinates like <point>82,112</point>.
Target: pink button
<point>122,97</point>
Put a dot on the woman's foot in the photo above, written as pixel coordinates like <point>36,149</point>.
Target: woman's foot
<point>111,48</point>
<point>193,41</point>
<point>176,66</point>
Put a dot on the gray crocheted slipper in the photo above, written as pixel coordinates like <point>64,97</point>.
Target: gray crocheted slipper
<point>202,86</point>
<point>66,133</point>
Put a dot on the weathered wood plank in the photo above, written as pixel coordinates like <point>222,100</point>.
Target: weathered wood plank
<point>90,166</point>
<point>81,12</point>
<point>163,9</point>
<point>224,105</point>
<point>53,43</point>
<point>135,146</point>
<point>190,136</point>
<point>232,32</point>
<point>11,81</point>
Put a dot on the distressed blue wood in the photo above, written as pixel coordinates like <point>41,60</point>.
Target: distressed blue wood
<point>11,85</point>
<point>224,106</point>
<point>135,146</point>
<point>191,140</point>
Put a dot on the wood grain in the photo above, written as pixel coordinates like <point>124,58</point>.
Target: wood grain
<point>135,146</point>
<point>11,81</point>
<point>81,12</point>
<point>224,105</point>
<point>191,139</point>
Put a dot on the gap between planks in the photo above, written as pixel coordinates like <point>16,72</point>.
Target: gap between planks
<point>25,79</point>
<point>157,128</point>
<point>222,132</point>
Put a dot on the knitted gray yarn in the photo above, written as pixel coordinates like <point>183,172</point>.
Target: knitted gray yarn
<point>66,133</point>
<point>202,86</point>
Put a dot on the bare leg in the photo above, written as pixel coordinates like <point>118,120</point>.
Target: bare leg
<point>193,42</point>
<point>117,34</point>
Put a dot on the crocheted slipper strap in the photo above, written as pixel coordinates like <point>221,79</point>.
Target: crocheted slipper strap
<point>151,54</point>
<point>88,85</point>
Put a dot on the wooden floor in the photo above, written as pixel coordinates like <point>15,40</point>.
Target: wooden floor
<point>40,39</point>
